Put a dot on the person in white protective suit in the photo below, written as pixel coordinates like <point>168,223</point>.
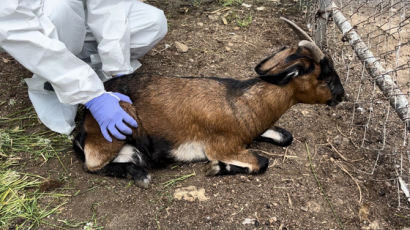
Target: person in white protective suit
<point>71,47</point>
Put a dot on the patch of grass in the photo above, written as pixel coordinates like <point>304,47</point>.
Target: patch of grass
<point>175,180</point>
<point>231,2</point>
<point>14,139</point>
<point>19,199</point>
<point>197,3</point>
<point>44,144</point>
<point>244,22</point>
<point>20,116</point>
<point>23,204</point>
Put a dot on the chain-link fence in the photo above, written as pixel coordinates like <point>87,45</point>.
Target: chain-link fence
<point>369,41</point>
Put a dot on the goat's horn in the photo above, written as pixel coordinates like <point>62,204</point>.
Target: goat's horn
<point>309,44</point>
<point>299,31</point>
<point>316,52</point>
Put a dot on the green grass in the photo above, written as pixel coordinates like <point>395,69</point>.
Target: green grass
<point>231,2</point>
<point>20,199</point>
<point>177,179</point>
<point>44,144</point>
<point>16,138</point>
<point>244,22</point>
<point>22,203</point>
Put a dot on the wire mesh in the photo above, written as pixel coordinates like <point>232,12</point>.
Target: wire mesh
<point>372,125</point>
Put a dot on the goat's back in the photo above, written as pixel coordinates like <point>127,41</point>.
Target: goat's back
<point>188,108</point>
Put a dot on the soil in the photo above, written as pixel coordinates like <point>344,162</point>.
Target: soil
<point>309,185</point>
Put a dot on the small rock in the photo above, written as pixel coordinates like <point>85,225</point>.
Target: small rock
<point>345,141</point>
<point>200,24</point>
<point>305,209</point>
<point>360,110</point>
<point>190,193</point>
<point>248,221</point>
<point>230,44</point>
<point>273,219</point>
<point>313,206</point>
<point>260,8</point>
<point>228,48</point>
<point>181,47</point>
<point>236,28</point>
<point>213,17</point>
<point>305,112</point>
<point>364,213</point>
<point>372,226</point>
<point>246,5</point>
<point>224,21</point>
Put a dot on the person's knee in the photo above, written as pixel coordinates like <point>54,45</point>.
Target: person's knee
<point>159,23</point>
<point>60,12</point>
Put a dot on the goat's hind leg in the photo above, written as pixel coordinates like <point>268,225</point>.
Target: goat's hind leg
<point>244,163</point>
<point>276,136</point>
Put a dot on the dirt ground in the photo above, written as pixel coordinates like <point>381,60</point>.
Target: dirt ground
<point>321,181</point>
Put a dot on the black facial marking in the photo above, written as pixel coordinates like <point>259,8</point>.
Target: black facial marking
<point>283,78</point>
<point>78,144</point>
<point>329,75</point>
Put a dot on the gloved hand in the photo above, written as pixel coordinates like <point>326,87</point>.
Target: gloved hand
<point>110,116</point>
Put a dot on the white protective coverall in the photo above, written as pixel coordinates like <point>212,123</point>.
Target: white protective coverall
<point>75,45</point>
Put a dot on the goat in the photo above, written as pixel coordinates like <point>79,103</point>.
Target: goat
<point>215,119</point>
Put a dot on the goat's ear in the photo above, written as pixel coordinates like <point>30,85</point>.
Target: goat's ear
<point>268,63</point>
<point>283,77</point>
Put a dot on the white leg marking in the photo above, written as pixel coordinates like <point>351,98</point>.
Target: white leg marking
<point>274,135</point>
<point>228,167</point>
<point>189,151</point>
<point>241,164</point>
<point>126,155</point>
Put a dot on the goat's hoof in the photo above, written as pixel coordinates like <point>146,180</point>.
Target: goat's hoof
<point>213,168</point>
<point>143,182</point>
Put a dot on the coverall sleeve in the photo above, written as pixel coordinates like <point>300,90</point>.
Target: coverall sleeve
<point>24,35</point>
<point>108,21</point>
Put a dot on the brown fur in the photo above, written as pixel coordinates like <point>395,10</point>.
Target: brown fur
<point>204,110</point>
<point>100,152</point>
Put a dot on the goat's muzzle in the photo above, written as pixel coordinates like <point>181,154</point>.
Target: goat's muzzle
<point>338,95</point>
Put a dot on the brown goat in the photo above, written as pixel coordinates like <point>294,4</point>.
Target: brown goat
<point>215,119</point>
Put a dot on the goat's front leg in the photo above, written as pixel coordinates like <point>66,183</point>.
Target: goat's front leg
<point>245,162</point>
<point>130,163</point>
<point>276,136</point>
<point>132,171</point>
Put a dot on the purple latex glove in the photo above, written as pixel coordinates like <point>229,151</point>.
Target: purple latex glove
<point>110,116</point>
